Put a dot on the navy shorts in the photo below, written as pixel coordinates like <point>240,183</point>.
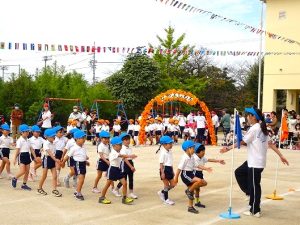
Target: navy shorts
<point>130,132</point>
<point>97,135</point>
<point>158,132</point>
<point>114,173</point>
<point>58,154</point>
<point>102,166</point>
<point>5,152</point>
<point>80,168</point>
<point>198,174</point>
<point>116,134</point>
<point>48,162</point>
<point>136,133</point>
<point>169,174</point>
<point>24,158</point>
<point>187,177</point>
<point>71,162</point>
<point>37,153</point>
<point>170,134</point>
<point>176,133</point>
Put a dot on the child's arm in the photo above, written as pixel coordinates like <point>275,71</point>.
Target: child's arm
<point>221,161</point>
<point>161,167</point>
<point>33,153</point>
<point>129,165</point>
<point>16,155</point>
<point>133,156</point>
<point>178,172</point>
<point>63,162</point>
<point>208,169</point>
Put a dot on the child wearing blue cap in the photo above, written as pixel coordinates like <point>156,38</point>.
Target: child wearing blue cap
<point>49,162</point>
<point>79,154</point>
<point>200,161</point>
<point>103,151</point>
<point>186,170</point>
<point>5,143</point>
<point>36,143</point>
<point>166,171</point>
<point>22,154</point>
<point>114,172</point>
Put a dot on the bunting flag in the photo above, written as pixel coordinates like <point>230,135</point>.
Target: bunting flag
<point>214,16</point>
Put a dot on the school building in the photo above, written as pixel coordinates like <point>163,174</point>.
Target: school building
<point>282,72</point>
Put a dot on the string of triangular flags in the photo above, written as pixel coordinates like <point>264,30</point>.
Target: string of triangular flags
<point>128,50</point>
<point>214,16</point>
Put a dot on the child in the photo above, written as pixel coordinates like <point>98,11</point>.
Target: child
<point>186,169</point>
<point>49,161</point>
<point>114,172</point>
<point>103,151</point>
<point>5,142</point>
<point>136,130</point>
<point>80,161</point>
<point>105,125</point>
<point>127,165</point>
<point>116,128</point>
<point>23,150</point>
<point>130,128</point>
<point>166,168</point>
<point>159,129</point>
<point>36,143</point>
<point>186,133</point>
<point>69,144</point>
<point>98,128</point>
<point>176,131</point>
<point>200,161</point>
<point>60,143</point>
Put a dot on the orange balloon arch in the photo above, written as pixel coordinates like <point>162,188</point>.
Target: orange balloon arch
<point>175,95</point>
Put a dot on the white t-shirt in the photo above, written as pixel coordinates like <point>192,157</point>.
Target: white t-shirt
<point>130,127</point>
<point>98,128</point>
<point>116,128</point>
<point>47,122</point>
<point>60,143</point>
<point>186,163</point>
<point>137,127</point>
<point>23,145</point>
<point>166,157</point>
<point>48,146</point>
<point>192,132</point>
<point>126,151</point>
<point>5,142</point>
<point>182,121</point>
<point>105,128</point>
<point>215,120</point>
<point>200,121</point>
<point>199,162</point>
<point>166,121</point>
<point>69,144</point>
<point>242,120</point>
<point>257,145</point>
<point>160,127</point>
<point>114,158</point>
<point>78,153</point>
<point>105,149</point>
<point>190,118</point>
<point>36,143</point>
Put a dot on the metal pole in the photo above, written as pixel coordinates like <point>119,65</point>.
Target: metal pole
<point>260,58</point>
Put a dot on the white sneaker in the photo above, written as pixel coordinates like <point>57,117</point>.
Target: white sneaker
<point>248,213</point>
<point>132,195</point>
<point>169,202</point>
<point>116,193</point>
<point>96,190</point>
<point>161,195</point>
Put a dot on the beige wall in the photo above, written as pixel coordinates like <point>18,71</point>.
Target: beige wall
<point>281,72</point>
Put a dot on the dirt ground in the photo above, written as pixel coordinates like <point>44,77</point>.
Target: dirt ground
<point>26,207</point>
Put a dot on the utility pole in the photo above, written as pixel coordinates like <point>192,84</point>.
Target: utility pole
<point>93,64</point>
<point>45,59</point>
<point>3,68</point>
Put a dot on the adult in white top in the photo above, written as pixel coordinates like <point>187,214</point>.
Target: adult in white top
<point>76,115</point>
<point>190,118</point>
<point>46,117</point>
<point>201,121</point>
<point>248,175</point>
<point>242,120</point>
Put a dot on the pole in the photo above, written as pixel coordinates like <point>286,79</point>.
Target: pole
<point>260,57</point>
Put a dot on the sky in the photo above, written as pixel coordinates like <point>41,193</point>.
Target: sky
<point>119,23</point>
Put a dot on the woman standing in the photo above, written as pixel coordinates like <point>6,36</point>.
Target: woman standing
<point>248,175</point>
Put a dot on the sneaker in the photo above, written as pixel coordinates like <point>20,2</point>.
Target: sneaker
<point>189,194</point>
<point>56,193</point>
<point>41,192</point>
<point>132,195</point>
<point>96,190</point>
<point>198,204</point>
<point>116,193</point>
<point>169,202</point>
<point>14,182</point>
<point>67,182</point>
<point>25,187</point>
<point>193,210</point>
<point>79,197</point>
<point>161,195</point>
<point>104,200</point>
<point>248,213</point>
<point>127,201</point>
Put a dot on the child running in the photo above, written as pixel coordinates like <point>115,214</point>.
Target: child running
<point>103,151</point>
<point>5,143</point>
<point>78,152</point>
<point>200,161</point>
<point>186,170</point>
<point>49,161</point>
<point>23,150</point>
<point>166,168</point>
<point>114,172</point>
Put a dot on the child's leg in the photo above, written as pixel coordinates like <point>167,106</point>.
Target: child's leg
<point>43,178</point>
<point>165,190</point>
<point>25,178</point>
<point>120,183</point>
<point>98,177</point>
<point>104,190</point>
<point>80,182</point>
<point>7,166</point>
<point>57,166</point>
<point>130,181</point>
<point>54,178</point>
<point>37,164</point>
<point>124,189</point>
<point>197,192</point>
<point>21,171</point>
<point>2,165</point>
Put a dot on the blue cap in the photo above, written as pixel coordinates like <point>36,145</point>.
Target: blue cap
<point>253,112</point>
<point>73,130</point>
<point>5,127</point>
<point>50,132</point>
<point>24,127</point>
<point>123,135</point>
<point>35,128</point>
<point>116,141</point>
<point>79,134</point>
<point>165,140</point>
<point>187,144</point>
<point>57,128</point>
<point>199,147</point>
<point>104,134</point>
